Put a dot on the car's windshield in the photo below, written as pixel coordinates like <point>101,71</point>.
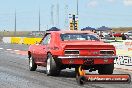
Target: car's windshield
<point>78,36</point>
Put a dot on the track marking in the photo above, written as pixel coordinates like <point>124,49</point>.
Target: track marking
<point>8,49</point>
<point>16,50</point>
<point>22,52</point>
<point>1,48</point>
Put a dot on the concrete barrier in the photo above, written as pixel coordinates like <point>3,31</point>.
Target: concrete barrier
<point>123,48</point>
<point>6,39</point>
<point>30,41</point>
<point>21,40</point>
<point>124,52</point>
<point>15,40</point>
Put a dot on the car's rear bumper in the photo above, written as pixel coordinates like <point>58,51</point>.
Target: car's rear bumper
<point>89,60</point>
<point>86,57</point>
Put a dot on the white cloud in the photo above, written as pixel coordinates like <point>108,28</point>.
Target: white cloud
<point>128,2</point>
<point>92,3</point>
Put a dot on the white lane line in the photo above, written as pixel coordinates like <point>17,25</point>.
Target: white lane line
<point>1,48</point>
<point>16,50</point>
<point>8,49</point>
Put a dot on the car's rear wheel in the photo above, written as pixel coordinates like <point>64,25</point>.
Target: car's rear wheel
<point>106,69</point>
<point>51,67</point>
<point>32,64</point>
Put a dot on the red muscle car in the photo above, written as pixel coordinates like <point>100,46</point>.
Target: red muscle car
<point>117,34</point>
<point>69,49</point>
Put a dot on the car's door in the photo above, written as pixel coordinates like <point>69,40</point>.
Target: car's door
<point>42,51</point>
<point>35,52</point>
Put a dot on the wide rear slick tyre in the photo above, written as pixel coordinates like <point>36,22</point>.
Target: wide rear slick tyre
<point>106,69</point>
<point>52,68</point>
<point>32,64</point>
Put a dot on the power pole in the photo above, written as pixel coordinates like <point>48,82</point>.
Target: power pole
<point>39,20</point>
<point>57,14</point>
<point>52,15</point>
<point>77,7</point>
<point>15,25</point>
<point>66,17</point>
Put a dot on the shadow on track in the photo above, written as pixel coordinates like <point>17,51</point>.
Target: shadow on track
<point>63,73</point>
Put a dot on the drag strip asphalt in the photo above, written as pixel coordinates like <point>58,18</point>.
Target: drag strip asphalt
<point>14,73</point>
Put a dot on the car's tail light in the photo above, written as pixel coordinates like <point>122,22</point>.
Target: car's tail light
<point>71,52</point>
<point>106,52</point>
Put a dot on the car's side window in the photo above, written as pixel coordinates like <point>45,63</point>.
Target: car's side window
<point>46,40</point>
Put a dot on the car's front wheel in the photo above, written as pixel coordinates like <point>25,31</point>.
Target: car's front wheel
<point>32,64</point>
<point>51,67</point>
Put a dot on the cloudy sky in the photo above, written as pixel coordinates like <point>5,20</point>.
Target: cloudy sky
<point>94,13</point>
